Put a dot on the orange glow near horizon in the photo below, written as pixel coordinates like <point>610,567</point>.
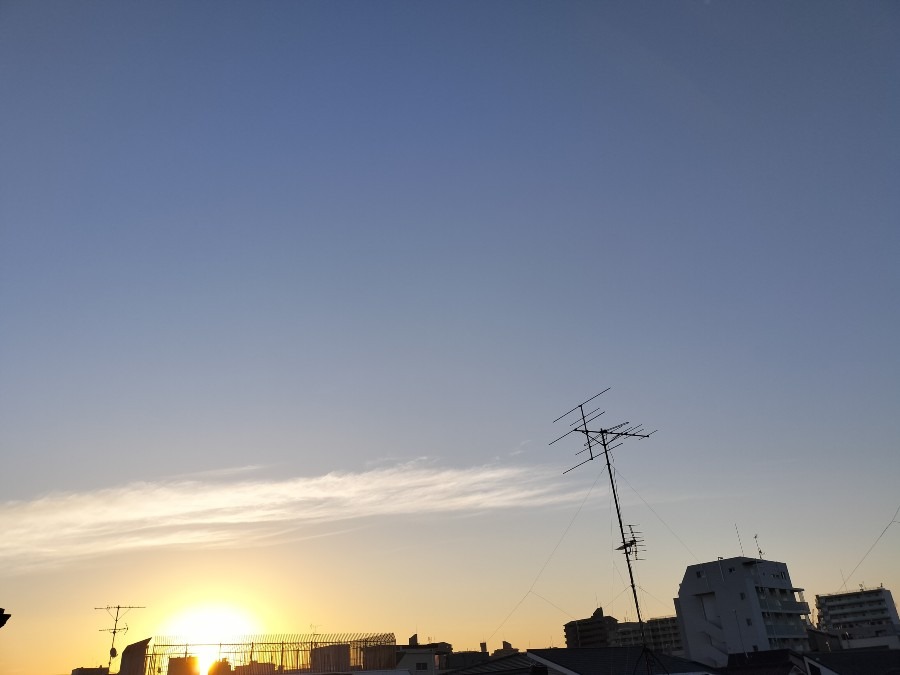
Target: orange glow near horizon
<point>206,626</point>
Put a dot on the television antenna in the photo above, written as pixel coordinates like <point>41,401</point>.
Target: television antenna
<point>115,629</point>
<point>599,442</point>
<point>758,549</point>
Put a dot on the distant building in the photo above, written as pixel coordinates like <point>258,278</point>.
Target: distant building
<point>99,670</point>
<point>423,659</point>
<point>661,634</point>
<point>328,659</point>
<point>864,618</point>
<point>183,665</point>
<point>419,661</point>
<point>595,631</point>
<point>255,668</point>
<point>505,650</point>
<point>220,667</point>
<point>739,605</point>
<point>466,659</point>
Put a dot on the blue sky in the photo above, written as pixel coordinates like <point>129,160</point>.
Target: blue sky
<point>265,243</point>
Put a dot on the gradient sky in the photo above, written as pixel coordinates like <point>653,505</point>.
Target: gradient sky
<point>290,294</point>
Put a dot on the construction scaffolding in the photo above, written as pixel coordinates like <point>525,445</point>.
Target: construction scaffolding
<point>274,654</point>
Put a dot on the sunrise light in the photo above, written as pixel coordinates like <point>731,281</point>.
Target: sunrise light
<point>207,627</point>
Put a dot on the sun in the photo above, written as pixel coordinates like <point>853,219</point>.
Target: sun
<point>207,626</point>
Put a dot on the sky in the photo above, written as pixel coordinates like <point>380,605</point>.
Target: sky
<point>291,294</point>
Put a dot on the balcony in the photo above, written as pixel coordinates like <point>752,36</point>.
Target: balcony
<point>772,604</point>
<point>795,607</point>
<point>786,630</point>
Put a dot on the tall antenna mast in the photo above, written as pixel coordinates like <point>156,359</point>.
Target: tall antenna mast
<point>115,629</point>
<point>599,442</point>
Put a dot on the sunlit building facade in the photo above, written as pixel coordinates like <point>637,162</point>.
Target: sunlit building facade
<point>740,605</point>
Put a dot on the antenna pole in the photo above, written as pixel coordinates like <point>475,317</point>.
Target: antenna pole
<point>609,438</point>
<point>626,544</point>
<point>115,629</point>
<point>740,543</point>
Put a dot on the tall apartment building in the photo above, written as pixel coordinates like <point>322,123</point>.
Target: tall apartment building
<point>661,634</point>
<point>739,605</point>
<point>863,618</point>
<point>595,631</point>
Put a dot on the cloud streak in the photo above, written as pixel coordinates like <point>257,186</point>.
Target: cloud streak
<point>60,528</point>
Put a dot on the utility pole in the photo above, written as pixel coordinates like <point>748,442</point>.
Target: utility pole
<point>115,629</point>
<point>599,442</point>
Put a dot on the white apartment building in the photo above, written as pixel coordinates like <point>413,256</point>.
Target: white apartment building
<point>739,605</point>
<point>862,618</point>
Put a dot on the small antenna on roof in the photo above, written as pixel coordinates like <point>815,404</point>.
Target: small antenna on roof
<point>740,543</point>
<point>758,549</point>
<point>115,629</point>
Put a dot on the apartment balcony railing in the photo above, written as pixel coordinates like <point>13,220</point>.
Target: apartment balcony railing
<point>786,630</point>
<point>768,604</point>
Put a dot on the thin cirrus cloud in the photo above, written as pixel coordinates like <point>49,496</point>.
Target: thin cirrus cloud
<point>60,528</point>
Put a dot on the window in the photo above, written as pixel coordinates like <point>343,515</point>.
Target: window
<point>743,596</point>
<point>421,665</point>
<point>749,622</point>
<point>730,569</point>
<point>755,648</point>
<point>699,574</point>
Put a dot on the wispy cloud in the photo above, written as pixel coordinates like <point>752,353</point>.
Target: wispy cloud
<point>192,512</point>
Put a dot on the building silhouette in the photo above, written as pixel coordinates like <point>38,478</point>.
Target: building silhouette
<point>660,634</point>
<point>587,661</point>
<point>740,605</point>
<point>595,631</point>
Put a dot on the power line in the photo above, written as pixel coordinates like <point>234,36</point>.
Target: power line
<point>552,604</point>
<point>877,539</point>
<point>549,558</point>
<point>659,517</point>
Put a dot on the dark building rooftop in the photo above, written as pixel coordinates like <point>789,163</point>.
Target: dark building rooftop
<point>859,661</point>
<point>587,661</point>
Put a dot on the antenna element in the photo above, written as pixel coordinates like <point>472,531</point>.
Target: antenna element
<point>115,629</point>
